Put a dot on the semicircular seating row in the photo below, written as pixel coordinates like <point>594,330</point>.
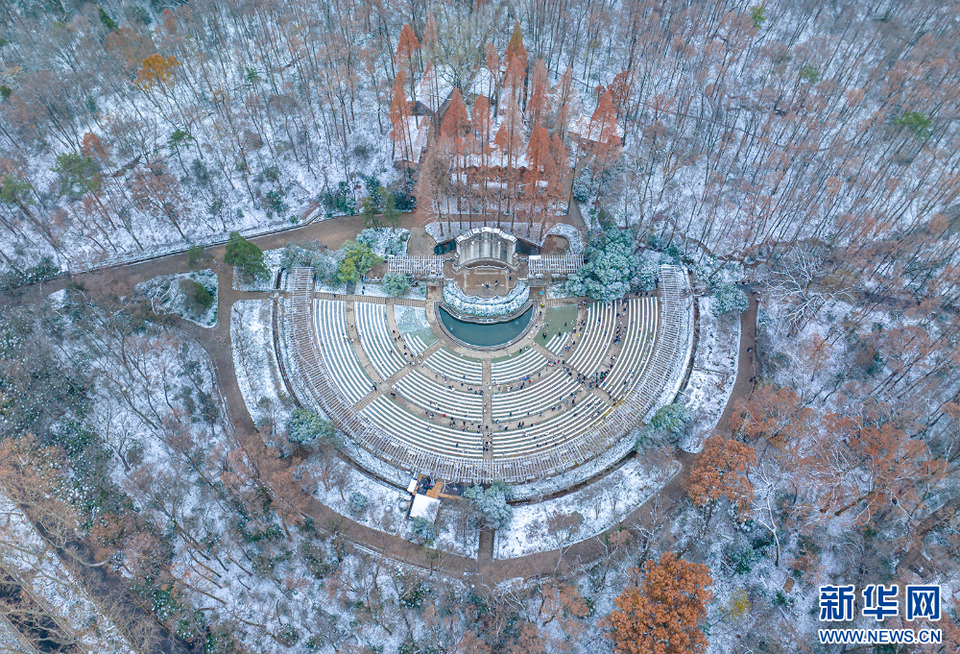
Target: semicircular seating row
<point>445,384</point>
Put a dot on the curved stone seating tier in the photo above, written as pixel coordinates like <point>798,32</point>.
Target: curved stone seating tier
<point>637,348</point>
<point>594,339</point>
<point>525,364</point>
<point>415,343</point>
<point>349,376</point>
<point>414,431</point>
<point>403,423</point>
<point>535,397</point>
<point>557,342</point>
<point>550,433</point>
<point>455,368</point>
<point>376,339</point>
<point>428,394</point>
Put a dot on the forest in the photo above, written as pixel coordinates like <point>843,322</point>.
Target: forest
<point>805,152</point>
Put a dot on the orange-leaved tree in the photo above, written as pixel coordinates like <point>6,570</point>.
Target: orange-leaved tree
<point>662,614</point>
<point>156,68</point>
<point>406,48</point>
<point>399,112</point>
<point>720,471</point>
<point>775,413</point>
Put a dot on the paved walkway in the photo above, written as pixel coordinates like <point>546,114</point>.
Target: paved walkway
<point>120,281</point>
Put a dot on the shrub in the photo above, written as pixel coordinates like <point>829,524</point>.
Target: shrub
<point>413,592</point>
<point>368,210</point>
<point>287,635</point>
<point>647,273</point>
<point>275,203</point>
<point>492,503</point>
<point>730,299</point>
<point>423,531</point>
<point>645,437</point>
<point>309,253</point>
<point>194,254</point>
<point>671,420</point>
<point>759,15</point>
<point>108,22</point>
<point>78,174</point>
<point>383,240</point>
<point>198,296</point>
<point>396,284</point>
<point>809,73</point>
<point>357,261</point>
<point>272,173</point>
<point>246,256</point>
<point>739,559</point>
<point>338,202</point>
<point>388,206</point>
<point>610,268</point>
<point>307,428</point>
<point>358,503</point>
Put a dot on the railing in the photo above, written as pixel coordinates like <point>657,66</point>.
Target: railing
<point>429,267</point>
<point>541,265</point>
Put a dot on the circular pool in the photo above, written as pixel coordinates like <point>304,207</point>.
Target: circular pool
<point>488,334</point>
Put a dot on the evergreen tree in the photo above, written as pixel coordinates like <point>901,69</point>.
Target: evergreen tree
<point>610,267</point>
<point>246,256</point>
<point>395,284</point>
<point>357,261</point>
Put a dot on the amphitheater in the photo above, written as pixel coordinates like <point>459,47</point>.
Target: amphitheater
<point>576,383</point>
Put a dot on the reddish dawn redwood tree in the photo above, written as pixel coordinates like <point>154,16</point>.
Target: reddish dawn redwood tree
<point>565,101</point>
<point>399,112</point>
<point>662,614</point>
<point>456,122</point>
<point>602,129</point>
<point>538,151</point>
<point>509,139</point>
<point>538,103</point>
<point>492,64</point>
<point>406,48</point>
<point>516,55</point>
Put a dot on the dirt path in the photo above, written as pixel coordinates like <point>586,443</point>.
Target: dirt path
<point>119,281</point>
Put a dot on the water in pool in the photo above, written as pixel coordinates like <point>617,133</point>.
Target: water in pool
<point>486,335</point>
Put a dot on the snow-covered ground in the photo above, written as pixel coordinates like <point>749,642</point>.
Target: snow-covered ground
<point>455,534</point>
<point>255,363</point>
<point>386,240</point>
<point>572,234</point>
<point>583,514</point>
<point>387,506</point>
<point>337,289</point>
<point>9,640</point>
<point>413,320</point>
<point>375,289</point>
<point>714,372</point>
<point>167,296</point>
